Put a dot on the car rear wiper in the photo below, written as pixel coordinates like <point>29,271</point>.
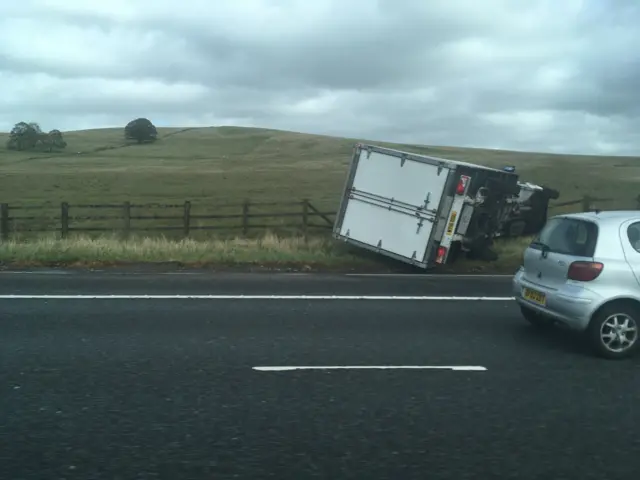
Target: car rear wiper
<point>540,244</point>
<point>543,247</point>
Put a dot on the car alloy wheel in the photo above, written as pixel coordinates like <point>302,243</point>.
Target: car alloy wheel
<point>614,331</point>
<point>619,332</point>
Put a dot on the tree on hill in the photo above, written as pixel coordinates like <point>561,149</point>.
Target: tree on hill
<point>141,130</point>
<point>52,140</point>
<point>29,136</point>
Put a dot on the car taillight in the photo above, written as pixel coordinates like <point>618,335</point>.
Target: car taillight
<point>462,185</point>
<point>584,271</point>
<point>442,252</point>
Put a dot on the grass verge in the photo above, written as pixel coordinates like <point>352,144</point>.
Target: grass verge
<point>269,252</point>
<point>510,254</point>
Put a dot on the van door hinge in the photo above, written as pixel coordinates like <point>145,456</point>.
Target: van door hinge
<point>439,169</point>
<point>420,223</point>
<point>427,199</point>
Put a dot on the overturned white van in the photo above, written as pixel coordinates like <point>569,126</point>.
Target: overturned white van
<point>420,209</point>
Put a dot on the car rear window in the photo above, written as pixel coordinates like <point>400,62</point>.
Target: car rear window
<point>568,236</point>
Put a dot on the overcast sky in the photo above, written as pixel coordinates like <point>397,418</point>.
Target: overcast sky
<point>542,75</point>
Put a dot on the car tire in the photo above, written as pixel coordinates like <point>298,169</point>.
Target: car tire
<point>602,324</point>
<point>536,319</point>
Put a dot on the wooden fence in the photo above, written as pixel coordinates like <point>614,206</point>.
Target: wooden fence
<point>589,203</point>
<point>125,217</point>
<point>178,218</point>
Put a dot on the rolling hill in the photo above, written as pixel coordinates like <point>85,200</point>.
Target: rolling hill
<point>229,164</point>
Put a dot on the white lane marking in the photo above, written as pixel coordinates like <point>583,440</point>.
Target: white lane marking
<point>48,272</point>
<point>252,297</point>
<point>468,368</point>
<point>412,276</point>
<point>417,276</point>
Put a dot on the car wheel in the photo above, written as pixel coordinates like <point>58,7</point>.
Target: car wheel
<point>613,331</point>
<point>535,318</point>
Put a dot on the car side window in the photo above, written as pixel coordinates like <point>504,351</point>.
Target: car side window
<point>633,233</point>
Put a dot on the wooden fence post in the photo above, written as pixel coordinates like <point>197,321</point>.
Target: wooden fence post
<point>245,217</point>
<point>305,219</point>
<point>586,203</point>
<point>4,221</point>
<point>186,218</point>
<point>64,219</point>
<point>126,224</point>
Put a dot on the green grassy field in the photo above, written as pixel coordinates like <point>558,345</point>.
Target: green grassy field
<point>229,164</point>
<point>209,166</point>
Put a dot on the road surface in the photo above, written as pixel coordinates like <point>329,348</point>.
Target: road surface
<point>167,387</point>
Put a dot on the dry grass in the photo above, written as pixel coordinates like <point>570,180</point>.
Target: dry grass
<point>510,254</point>
<point>269,251</point>
<point>511,250</point>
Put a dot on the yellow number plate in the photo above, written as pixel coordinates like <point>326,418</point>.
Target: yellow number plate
<point>452,222</point>
<point>534,296</point>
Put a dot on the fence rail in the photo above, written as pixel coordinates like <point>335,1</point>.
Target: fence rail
<point>129,217</point>
<point>587,203</point>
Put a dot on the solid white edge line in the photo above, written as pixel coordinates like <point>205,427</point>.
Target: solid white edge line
<point>252,297</point>
<point>469,368</point>
<point>418,276</point>
<point>411,276</point>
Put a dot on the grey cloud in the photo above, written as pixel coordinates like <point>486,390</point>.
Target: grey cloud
<point>378,57</point>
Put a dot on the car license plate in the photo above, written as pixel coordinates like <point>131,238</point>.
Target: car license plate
<point>534,296</point>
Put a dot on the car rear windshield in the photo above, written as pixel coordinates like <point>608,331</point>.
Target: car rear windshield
<point>568,236</point>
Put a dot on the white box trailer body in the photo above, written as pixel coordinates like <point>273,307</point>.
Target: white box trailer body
<point>407,206</point>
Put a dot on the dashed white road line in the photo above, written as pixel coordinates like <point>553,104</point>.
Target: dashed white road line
<point>255,297</point>
<point>466,368</point>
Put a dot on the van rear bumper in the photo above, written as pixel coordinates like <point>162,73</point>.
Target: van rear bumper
<point>571,305</point>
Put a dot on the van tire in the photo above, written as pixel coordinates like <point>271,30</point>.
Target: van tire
<point>535,319</point>
<point>482,253</point>
<point>597,322</point>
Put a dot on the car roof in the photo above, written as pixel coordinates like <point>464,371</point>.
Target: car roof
<point>605,218</point>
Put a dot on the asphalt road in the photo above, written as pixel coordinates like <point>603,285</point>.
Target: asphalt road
<point>166,388</point>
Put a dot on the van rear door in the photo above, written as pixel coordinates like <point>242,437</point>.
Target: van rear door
<point>391,203</point>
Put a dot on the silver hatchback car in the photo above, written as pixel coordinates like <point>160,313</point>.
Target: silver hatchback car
<point>583,271</point>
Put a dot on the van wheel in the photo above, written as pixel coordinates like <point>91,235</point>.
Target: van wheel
<point>536,319</point>
<point>613,331</point>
